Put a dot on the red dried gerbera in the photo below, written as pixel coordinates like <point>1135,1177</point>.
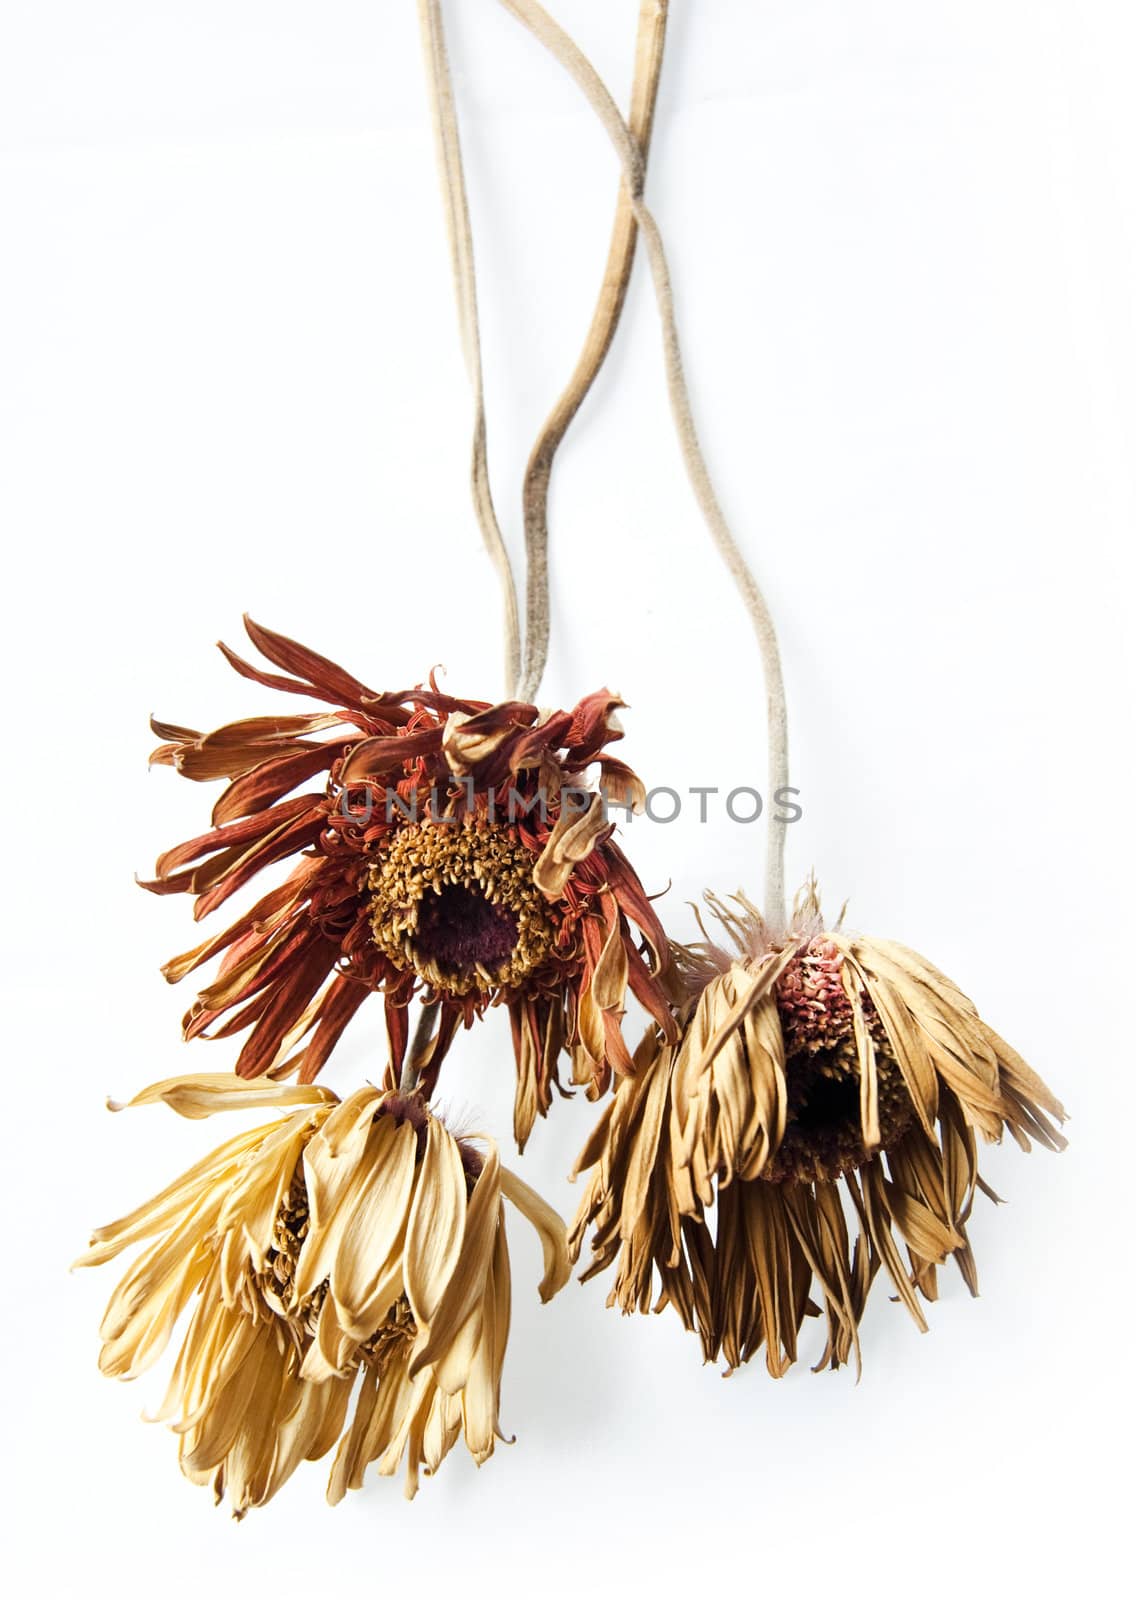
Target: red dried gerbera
<point>452,849</point>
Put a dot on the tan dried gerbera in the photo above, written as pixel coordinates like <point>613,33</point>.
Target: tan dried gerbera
<point>349,1273</point>
<point>814,1065</point>
<point>450,848</point>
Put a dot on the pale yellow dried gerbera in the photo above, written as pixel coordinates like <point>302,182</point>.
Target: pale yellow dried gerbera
<point>812,1067</point>
<point>350,1274</point>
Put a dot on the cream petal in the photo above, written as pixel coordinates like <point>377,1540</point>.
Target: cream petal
<point>232,1261</point>
<point>452,1368</point>
<point>443,1428</point>
<point>337,1397</point>
<point>331,1349</point>
<point>436,1224</point>
<point>502,1313</point>
<point>205,1447</point>
<point>460,1304</point>
<point>180,1197</point>
<point>372,1311</point>
<point>347,1468</point>
<point>248,1464</point>
<point>550,1229</point>
<point>481,1397</point>
<point>253,1203</point>
<point>479,1393</point>
<point>139,1340</point>
<point>388,1415</point>
<point>335,1175</point>
<point>372,1218</point>
<point>344,1134</point>
<point>414,1395</point>
<point>313,1410</point>
<point>222,1342</point>
<point>138,1291</point>
<point>201,1094</point>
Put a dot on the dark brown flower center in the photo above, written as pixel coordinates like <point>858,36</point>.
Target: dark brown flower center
<point>460,932</point>
<point>457,903</point>
<point>823,1134</point>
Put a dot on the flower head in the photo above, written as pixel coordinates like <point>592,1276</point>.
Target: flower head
<point>445,847</point>
<point>810,1064</point>
<point>349,1275</point>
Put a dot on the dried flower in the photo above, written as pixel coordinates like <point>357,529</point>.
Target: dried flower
<point>810,1064</point>
<point>451,848</point>
<point>346,1252</point>
<point>631,1201</point>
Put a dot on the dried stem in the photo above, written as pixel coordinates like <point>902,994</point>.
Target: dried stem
<point>605,320</point>
<point>419,1049</point>
<point>568,54</point>
<point>465,287</point>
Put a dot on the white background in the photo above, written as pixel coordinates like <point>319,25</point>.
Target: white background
<point>902,239</point>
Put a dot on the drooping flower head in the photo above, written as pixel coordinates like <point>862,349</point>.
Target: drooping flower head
<point>349,1274</point>
<point>441,846</point>
<point>810,1065</point>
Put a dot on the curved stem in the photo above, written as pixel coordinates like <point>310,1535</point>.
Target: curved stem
<point>605,320</point>
<point>419,1049</point>
<point>465,287</point>
<point>567,53</point>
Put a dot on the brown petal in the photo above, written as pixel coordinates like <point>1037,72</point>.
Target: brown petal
<point>307,664</point>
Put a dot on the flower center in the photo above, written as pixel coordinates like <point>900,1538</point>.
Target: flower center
<point>457,903</point>
<point>395,1334</point>
<point>824,1136</point>
<point>459,930</point>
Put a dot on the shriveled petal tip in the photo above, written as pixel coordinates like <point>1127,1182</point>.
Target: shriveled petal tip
<point>572,839</point>
<point>468,741</point>
<point>549,1226</point>
<point>199,1095</point>
<point>621,786</point>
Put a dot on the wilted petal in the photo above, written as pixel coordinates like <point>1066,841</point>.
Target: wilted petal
<point>550,1228</point>
<point>436,1224</point>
